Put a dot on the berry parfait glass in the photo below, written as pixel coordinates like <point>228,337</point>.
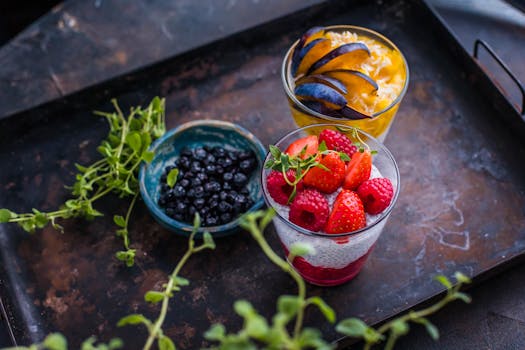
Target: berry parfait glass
<point>335,192</point>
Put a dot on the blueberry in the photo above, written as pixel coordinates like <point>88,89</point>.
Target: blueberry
<point>204,211</point>
<point>228,163</point>
<point>231,196</point>
<point>199,203</point>
<point>211,221</point>
<point>213,203</point>
<point>162,201</point>
<point>245,191</point>
<point>212,186</point>
<point>178,217</point>
<point>170,211</point>
<point>191,211</point>
<point>227,177</point>
<point>181,207</point>
<point>210,159</point>
<point>249,204</point>
<point>189,175</point>
<point>208,148</point>
<point>171,204</point>
<point>233,156</point>
<point>247,165</point>
<point>170,195</point>
<point>219,169</point>
<point>183,163</point>
<point>240,180</point>
<point>226,186</point>
<point>225,218</point>
<point>246,155</point>
<point>190,193</point>
<point>218,151</point>
<point>179,191</point>
<point>164,188</point>
<point>215,197</point>
<point>200,153</point>
<point>196,182</point>
<point>223,195</point>
<point>184,183</point>
<point>211,169</point>
<point>203,177</point>
<point>199,192</point>
<point>196,166</point>
<point>224,207</point>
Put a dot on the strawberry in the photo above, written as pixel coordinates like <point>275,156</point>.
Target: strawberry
<point>309,145</point>
<point>278,188</point>
<point>358,170</point>
<point>376,194</point>
<point>326,181</point>
<point>347,214</point>
<point>337,141</point>
<point>309,209</point>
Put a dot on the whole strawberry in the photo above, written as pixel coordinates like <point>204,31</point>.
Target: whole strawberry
<point>309,210</point>
<point>324,180</point>
<point>337,141</point>
<point>278,188</point>
<point>376,194</point>
<point>347,214</point>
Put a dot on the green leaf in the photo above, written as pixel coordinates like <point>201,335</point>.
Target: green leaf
<point>115,343</point>
<point>133,319</point>
<point>208,240</point>
<point>55,341</point>
<point>322,146</point>
<point>172,177</point>
<point>256,326</point>
<point>462,296</point>
<point>216,332</point>
<point>6,214</point>
<point>344,157</point>
<point>243,308</point>
<point>119,220</point>
<point>444,281</point>
<point>326,310</point>
<point>181,281</point>
<point>152,296</point>
<point>165,343</point>
<point>302,249</point>
<point>275,151</point>
<point>196,221</point>
<point>431,329</point>
<point>285,164</point>
<point>288,305</point>
<point>134,141</point>
<point>148,156</point>
<point>313,338</point>
<point>461,278</point>
<point>399,327</point>
<point>352,327</point>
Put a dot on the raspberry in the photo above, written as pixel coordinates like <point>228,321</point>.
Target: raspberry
<point>376,194</point>
<point>278,188</point>
<point>309,210</point>
<point>337,141</point>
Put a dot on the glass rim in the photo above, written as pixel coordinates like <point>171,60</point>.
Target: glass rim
<point>363,230</point>
<point>285,67</point>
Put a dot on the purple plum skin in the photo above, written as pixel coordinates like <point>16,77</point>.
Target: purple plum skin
<point>323,79</point>
<point>296,62</point>
<point>296,59</point>
<point>321,93</point>
<point>338,51</point>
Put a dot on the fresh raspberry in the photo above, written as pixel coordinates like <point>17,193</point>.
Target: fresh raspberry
<point>309,210</point>
<point>337,141</point>
<point>330,180</point>
<point>347,215</point>
<point>376,194</point>
<point>278,188</point>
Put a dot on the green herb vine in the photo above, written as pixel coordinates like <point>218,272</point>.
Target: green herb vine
<point>125,147</point>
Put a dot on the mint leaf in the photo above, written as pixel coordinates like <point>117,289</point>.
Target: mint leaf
<point>216,332</point>
<point>288,305</point>
<point>55,341</point>
<point>275,152</point>
<point>119,220</point>
<point>322,146</point>
<point>134,141</point>
<point>208,240</point>
<point>462,278</point>
<point>133,319</point>
<point>165,343</point>
<point>172,177</point>
<point>325,309</point>
<point>6,214</point>
<point>444,281</point>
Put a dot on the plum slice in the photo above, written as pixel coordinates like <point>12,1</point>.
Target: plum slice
<point>350,113</point>
<point>344,56</point>
<point>322,93</point>
<point>355,81</point>
<point>309,54</point>
<point>323,79</point>
<point>310,35</point>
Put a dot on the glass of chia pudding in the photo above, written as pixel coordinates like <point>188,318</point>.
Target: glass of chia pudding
<point>333,187</point>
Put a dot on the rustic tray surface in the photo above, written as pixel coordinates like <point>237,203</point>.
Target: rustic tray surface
<point>460,207</point>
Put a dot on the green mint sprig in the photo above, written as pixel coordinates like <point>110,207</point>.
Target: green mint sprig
<point>282,162</point>
<point>175,282</point>
<point>56,341</point>
<point>123,150</point>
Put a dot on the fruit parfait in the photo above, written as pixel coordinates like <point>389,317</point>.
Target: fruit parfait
<point>332,187</point>
<point>346,75</point>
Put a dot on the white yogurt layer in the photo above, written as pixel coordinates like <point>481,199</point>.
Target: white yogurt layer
<point>330,253</point>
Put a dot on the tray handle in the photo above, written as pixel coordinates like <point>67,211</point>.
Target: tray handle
<point>502,64</point>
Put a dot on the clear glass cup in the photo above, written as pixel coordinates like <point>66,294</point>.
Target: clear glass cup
<point>384,110</point>
<point>338,257</point>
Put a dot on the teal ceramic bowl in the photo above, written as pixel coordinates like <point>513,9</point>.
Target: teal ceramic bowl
<point>197,134</point>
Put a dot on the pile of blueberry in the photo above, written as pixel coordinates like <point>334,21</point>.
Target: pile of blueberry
<point>212,181</point>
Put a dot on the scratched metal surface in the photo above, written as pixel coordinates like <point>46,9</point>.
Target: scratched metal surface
<point>461,206</point>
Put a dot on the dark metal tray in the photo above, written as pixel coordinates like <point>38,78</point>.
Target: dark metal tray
<point>460,207</point>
